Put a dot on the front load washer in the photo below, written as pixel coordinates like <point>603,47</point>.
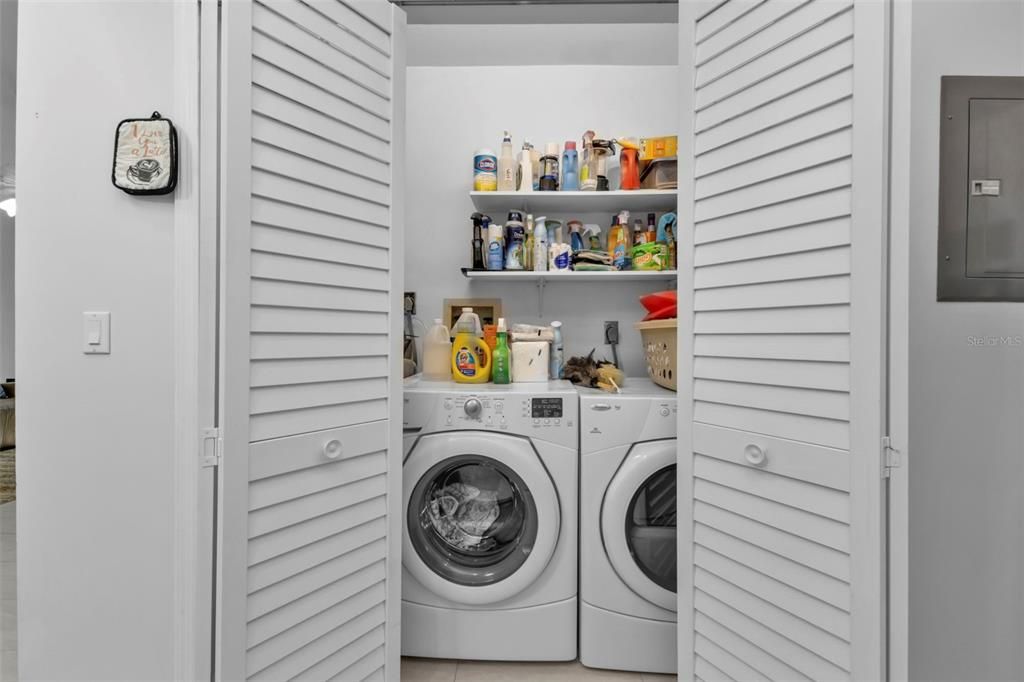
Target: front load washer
<point>628,528</point>
<point>489,545</point>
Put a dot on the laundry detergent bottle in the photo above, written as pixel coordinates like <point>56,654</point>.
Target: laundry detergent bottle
<point>471,356</point>
<point>437,353</point>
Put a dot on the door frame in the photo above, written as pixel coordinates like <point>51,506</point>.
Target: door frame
<point>396,504</point>
<point>194,314</point>
<point>900,46</point>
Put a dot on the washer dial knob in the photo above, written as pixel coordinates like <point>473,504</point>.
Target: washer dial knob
<point>473,408</point>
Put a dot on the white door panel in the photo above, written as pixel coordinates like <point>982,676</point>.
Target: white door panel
<point>780,488</point>
<point>308,559</point>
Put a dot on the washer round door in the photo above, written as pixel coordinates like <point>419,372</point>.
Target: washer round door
<point>638,522</point>
<point>482,516</point>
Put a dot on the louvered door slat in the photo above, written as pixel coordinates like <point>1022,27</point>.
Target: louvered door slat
<point>829,377</point>
<point>781,493</point>
<point>814,68</point>
<point>812,236</point>
<point>787,43</point>
<point>312,119</point>
<point>744,28</point>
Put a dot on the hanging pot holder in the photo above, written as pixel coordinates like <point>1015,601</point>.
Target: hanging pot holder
<point>145,155</point>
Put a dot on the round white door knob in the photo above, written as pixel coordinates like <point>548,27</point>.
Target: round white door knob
<point>755,454</point>
<point>332,449</point>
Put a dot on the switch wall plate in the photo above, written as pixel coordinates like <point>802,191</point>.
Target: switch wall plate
<point>96,333</point>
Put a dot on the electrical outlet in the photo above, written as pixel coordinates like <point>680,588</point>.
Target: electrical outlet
<point>410,302</point>
<point>611,331</point>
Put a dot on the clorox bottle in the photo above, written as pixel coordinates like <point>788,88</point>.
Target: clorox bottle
<point>471,356</point>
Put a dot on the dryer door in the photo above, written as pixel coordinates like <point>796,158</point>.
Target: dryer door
<point>482,516</point>
<point>638,522</point>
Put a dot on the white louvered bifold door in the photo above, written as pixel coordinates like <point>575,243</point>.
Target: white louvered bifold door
<point>310,340</point>
<point>781,493</point>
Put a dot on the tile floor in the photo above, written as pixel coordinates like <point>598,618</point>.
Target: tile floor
<point>441,670</point>
<point>8,595</point>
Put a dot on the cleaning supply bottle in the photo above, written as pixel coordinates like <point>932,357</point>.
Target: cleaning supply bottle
<point>666,235</point>
<point>592,236</point>
<point>471,356</point>
<point>554,231</point>
<point>501,361</point>
<point>515,239</point>
<point>495,247</point>
<point>652,230</point>
<point>540,245</point>
<point>507,166</point>
<point>528,244</point>
<point>639,232</point>
<point>478,241</point>
<point>437,353</point>
<point>535,162</point>
<point>588,165</point>
<point>570,168</point>
<point>549,168</point>
<point>629,163</point>
<point>627,237</point>
<point>524,177</point>
<point>485,171</point>
<point>575,238</point>
<point>557,359</point>
<point>617,246</point>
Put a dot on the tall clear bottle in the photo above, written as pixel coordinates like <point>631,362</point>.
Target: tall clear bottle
<point>507,167</point>
<point>437,353</point>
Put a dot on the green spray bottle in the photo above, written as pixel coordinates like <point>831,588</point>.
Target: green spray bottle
<point>501,365</point>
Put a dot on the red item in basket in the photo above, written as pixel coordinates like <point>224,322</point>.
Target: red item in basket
<point>661,305</point>
<point>665,313</point>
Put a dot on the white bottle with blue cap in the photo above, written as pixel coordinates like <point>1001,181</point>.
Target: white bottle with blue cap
<point>557,351</point>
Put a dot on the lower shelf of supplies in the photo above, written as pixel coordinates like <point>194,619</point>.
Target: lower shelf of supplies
<point>571,275</point>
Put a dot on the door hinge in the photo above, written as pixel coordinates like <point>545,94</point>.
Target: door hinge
<point>212,448</point>
<point>890,457</point>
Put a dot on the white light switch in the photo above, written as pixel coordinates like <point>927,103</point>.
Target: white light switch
<point>96,328</point>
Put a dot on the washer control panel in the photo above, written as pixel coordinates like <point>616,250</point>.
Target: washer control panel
<point>509,412</point>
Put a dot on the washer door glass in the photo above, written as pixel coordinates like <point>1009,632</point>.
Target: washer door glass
<point>472,520</point>
<point>651,527</point>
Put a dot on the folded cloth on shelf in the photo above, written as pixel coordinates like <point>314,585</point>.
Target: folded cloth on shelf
<point>592,256</point>
<point>593,267</point>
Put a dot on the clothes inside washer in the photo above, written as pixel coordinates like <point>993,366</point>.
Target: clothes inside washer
<point>462,514</point>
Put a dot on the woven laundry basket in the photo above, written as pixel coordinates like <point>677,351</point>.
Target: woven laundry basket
<point>659,339</point>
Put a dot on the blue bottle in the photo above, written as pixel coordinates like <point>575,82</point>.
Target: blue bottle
<point>570,168</point>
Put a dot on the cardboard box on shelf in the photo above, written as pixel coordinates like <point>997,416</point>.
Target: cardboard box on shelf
<point>658,147</point>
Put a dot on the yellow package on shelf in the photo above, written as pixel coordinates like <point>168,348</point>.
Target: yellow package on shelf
<point>658,147</point>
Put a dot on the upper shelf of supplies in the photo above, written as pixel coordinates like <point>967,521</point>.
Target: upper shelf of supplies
<point>540,203</point>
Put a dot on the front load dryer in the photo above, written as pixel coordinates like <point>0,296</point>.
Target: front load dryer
<point>628,528</point>
<point>489,549</point>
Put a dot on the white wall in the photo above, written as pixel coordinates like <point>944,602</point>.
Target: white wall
<point>94,433</point>
<point>452,111</point>
<point>966,449</point>
<point>8,98</point>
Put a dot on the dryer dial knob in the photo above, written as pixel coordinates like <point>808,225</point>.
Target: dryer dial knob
<point>473,408</point>
<point>664,412</point>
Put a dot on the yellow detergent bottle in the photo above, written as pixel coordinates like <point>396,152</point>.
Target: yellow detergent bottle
<point>471,356</point>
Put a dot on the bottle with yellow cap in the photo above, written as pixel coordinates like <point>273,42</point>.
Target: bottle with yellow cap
<point>471,356</point>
